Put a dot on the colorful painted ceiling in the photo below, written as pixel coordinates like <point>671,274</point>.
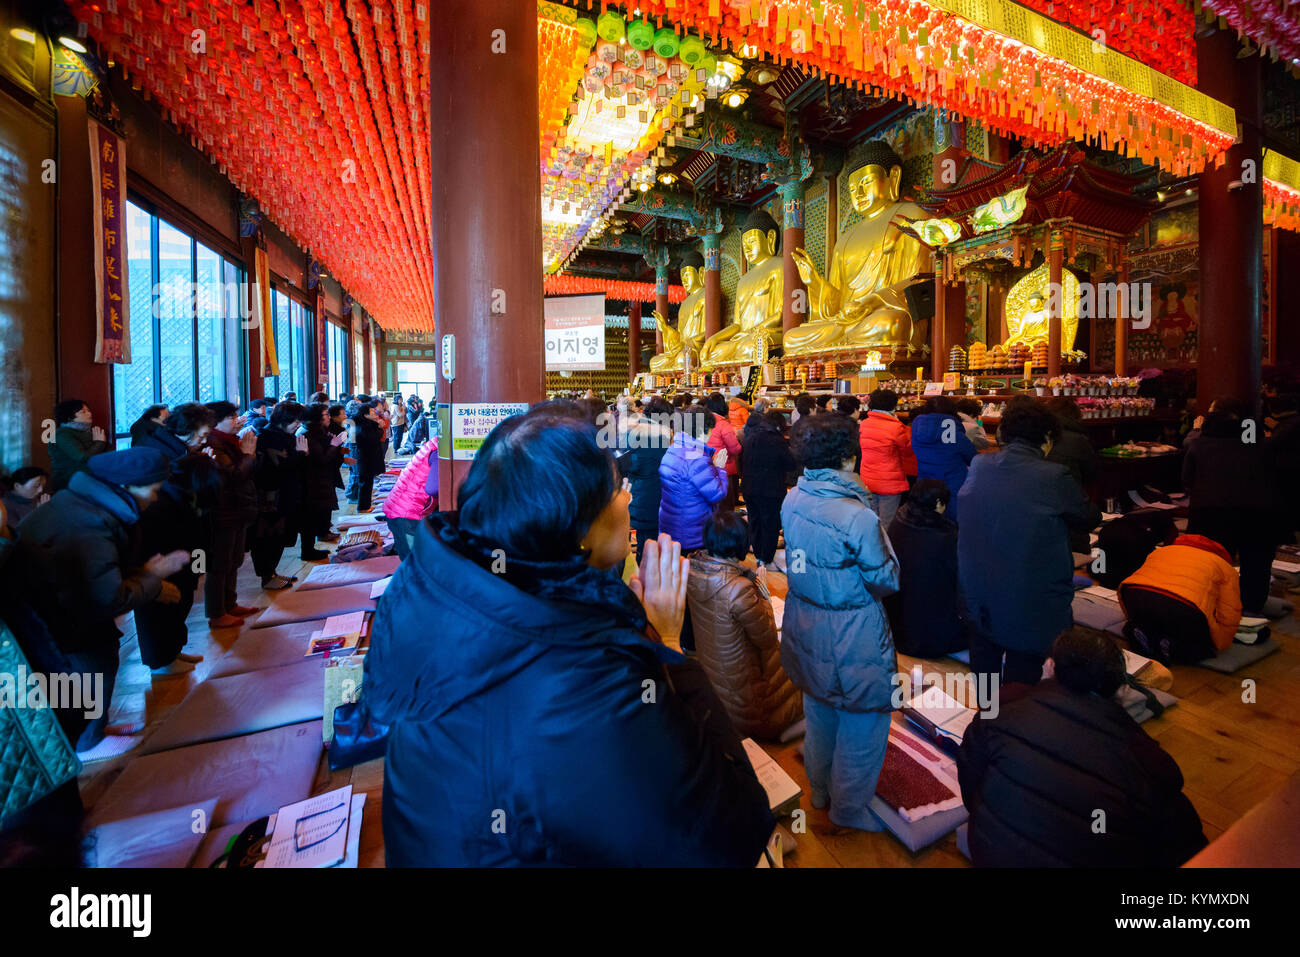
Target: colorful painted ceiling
<point>319,109</point>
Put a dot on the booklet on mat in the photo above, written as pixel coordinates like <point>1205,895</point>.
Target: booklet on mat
<point>782,791</point>
<point>311,833</point>
<point>939,714</point>
<point>340,633</point>
<point>1101,591</point>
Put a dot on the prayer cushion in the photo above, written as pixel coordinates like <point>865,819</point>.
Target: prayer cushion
<point>166,838</point>
<point>297,605</point>
<point>1237,656</point>
<point>261,648</point>
<point>1135,703</point>
<point>244,704</point>
<point>253,776</point>
<point>916,835</point>
<point>349,573</point>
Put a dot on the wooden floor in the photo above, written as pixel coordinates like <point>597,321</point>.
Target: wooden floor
<point>1232,754</point>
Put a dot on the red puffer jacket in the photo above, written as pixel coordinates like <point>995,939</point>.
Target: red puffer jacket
<point>887,458</point>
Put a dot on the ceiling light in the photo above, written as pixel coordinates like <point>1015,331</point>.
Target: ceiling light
<point>763,75</point>
<point>72,44</point>
<point>668,178</point>
<point>749,50</point>
<point>735,98</point>
<point>643,187</point>
<point>26,36</point>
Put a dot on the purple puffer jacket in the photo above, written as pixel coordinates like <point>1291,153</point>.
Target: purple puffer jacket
<point>410,497</point>
<point>692,485</point>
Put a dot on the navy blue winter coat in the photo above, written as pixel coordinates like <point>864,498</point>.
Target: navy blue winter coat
<point>691,485</point>
<point>1013,551</point>
<point>836,644</point>
<point>533,723</point>
<point>943,451</point>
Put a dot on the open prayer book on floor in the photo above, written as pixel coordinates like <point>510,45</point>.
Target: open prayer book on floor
<point>940,716</point>
<point>782,791</point>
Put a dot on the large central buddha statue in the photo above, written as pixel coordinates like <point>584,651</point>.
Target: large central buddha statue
<point>860,301</point>
<point>687,338</point>
<point>758,298</point>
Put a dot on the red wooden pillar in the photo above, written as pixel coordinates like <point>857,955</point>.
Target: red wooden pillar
<point>712,284</point>
<point>1055,269</point>
<point>1231,227</point>
<point>486,206</point>
<point>1122,320</point>
<point>661,303</point>
<point>794,304</point>
<point>938,325</point>
<point>633,340</point>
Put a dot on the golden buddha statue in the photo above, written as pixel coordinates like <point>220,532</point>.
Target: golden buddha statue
<point>758,299</point>
<point>686,339</point>
<point>1027,309</point>
<point>860,302</point>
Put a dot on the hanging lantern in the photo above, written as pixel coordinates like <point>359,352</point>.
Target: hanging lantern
<point>692,51</point>
<point>640,34</point>
<point>586,31</point>
<point>610,27</point>
<point>666,43</point>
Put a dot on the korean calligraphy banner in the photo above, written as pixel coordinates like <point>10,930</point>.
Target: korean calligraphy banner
<point>108,182</point>
<point>322,341</point>
<point>263,318</point>
<point>575,334</point>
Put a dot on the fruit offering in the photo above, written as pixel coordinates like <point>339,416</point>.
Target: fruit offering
<point>977,357</point>
<point>957,359</point>
<point>1040,355</point>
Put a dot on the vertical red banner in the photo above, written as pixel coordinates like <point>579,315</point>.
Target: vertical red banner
<point>322,342</point>
<point>112,307</point>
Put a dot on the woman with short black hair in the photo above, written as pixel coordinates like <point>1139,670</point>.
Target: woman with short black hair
<point>521,731</point>
<point>76,439</point>
<point>837,647</point>
<point>766,464</point>
<point>151,419</point>
<point>926,615</point>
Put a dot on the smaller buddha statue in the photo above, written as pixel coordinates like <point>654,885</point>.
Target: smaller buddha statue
<point>1028,308</point>
<point>682,345</point>
<point>758,299</point>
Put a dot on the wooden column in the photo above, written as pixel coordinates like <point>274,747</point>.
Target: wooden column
<point>712,284</point>
<point>661,304</point>
<point>1055,268</point>
<point>79,375</point>
<point>1231,228</point>
<point>486,208</point>
<point>1122,320</point>
<point>633,340</point>
<point>832,217</point>
<point>794,302</point>
<point>938,325</point>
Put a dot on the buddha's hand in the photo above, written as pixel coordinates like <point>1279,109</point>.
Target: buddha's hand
<point>807,271</point>
<point>659,318</point>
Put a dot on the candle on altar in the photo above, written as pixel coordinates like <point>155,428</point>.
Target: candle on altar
<point>1029,372</point>
<point>920,373</point>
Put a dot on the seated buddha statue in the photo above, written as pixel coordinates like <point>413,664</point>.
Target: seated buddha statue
<point>687,338</point>
<point>1027,308</point>
<point>758,298</point>
<point>860,301</point>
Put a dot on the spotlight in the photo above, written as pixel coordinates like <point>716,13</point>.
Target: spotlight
<point>73,45</point>
<point>24,36</point>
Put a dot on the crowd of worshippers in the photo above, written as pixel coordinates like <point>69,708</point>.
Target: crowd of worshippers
<point>895,537</point>
<point>194,489</point>
<point>518,660</point>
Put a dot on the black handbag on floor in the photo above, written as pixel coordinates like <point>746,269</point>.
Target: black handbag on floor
<point>357,737</point>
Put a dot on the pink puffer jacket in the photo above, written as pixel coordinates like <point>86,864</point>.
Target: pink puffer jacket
<point>408,499</point>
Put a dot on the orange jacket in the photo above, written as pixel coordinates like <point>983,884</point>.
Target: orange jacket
<point>1196,570</point>
<point>887,456</point>
<point>737,414</point>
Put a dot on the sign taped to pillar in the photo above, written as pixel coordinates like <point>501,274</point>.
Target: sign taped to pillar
<point>472,421</point>
<point>575,333</point>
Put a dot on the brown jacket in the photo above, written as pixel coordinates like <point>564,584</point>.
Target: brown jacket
<point>736,641</point>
